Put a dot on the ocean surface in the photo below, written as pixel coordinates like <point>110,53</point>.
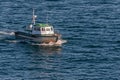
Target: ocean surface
<point>92,31</point>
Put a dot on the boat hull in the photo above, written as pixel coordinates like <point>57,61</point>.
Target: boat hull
<point>36,38</point>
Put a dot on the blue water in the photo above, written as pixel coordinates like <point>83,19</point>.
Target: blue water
<point>91,27</point>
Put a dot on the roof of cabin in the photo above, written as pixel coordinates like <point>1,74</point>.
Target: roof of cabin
<point>42,25</point>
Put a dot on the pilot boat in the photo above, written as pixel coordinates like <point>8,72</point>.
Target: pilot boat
<point>39,33</point>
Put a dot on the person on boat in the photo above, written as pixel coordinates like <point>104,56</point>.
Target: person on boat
<point>30,27</point>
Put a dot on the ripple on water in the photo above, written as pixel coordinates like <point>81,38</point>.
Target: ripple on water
<point>91,29</point>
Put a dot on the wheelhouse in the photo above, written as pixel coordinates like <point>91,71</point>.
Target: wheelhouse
<point>43,29</point>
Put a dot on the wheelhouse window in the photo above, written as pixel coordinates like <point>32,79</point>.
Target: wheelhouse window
<point>37,29</point>
<point>47,29</point>
<point>51,29</point>
<point>43,29</point>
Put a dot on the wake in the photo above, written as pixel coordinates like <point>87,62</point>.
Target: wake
<point>6,33</point>
<point>7,36</point>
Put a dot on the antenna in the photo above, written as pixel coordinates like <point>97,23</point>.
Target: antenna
<point>34,16</point>
<point>47,17</point>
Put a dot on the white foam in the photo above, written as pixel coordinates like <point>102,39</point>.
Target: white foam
<point>7,36</point>
<point>12,41</point>
<point>6,33</point>
<point>58,43</point>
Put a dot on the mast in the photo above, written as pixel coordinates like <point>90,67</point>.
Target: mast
<point>47,17</point>
<point>33,17</point>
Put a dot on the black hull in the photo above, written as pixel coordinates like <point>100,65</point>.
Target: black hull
<point>36,38</point>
